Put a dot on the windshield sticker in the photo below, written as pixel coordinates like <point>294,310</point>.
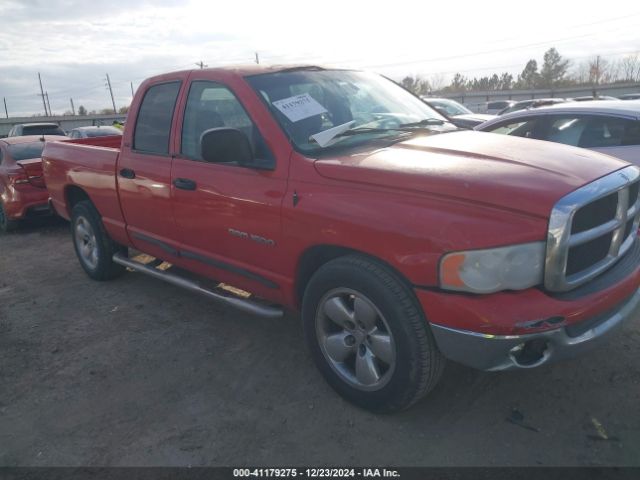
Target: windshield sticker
<point>299,107</point>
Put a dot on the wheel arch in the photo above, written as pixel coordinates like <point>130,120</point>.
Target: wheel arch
<point>74,194</point>
<point>318,255</point>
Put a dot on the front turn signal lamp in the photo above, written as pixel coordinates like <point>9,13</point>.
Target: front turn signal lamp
<point>515,267</point>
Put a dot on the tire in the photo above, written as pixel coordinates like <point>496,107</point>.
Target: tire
<point>92,244</point>
<point>389,361</point>
<point>6,224</point>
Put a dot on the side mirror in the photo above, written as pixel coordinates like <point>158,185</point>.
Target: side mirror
<point>225,145</point>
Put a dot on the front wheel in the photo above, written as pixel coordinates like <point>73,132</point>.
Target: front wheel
<point>368,335</point>
<point>93,246</point>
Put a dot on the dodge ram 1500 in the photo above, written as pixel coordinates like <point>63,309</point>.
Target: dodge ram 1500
<point>402,240</point>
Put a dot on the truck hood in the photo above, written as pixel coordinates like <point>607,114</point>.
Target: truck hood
<point>512,173</point>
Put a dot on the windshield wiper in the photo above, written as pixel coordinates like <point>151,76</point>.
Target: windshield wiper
<point>332,135</point>
<point>358,131</point>
<point>425,122</point>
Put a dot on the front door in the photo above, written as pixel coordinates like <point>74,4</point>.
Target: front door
<point>228,215</point>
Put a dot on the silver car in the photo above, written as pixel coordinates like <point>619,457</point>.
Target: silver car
<point>96,131</point>
<point>610,127</point>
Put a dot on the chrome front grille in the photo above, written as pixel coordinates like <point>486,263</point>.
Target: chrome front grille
<point>591,228</point>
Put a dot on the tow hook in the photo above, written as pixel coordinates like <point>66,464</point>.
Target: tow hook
<point>530,353</point>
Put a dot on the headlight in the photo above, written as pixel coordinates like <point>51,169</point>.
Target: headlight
<point>515,267</point>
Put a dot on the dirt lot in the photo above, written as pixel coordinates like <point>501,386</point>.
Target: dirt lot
<point>138,372</point>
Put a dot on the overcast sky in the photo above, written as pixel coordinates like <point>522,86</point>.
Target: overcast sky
<point>74,43</point>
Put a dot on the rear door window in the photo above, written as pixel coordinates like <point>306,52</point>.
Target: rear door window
<point>591,131</point>
<point>153,125</point>
<point>609,132</point>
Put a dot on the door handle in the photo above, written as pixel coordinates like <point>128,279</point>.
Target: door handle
<point>127,173</point>
<point>184,184</point>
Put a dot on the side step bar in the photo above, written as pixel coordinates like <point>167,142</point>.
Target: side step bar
<point>245,305</point>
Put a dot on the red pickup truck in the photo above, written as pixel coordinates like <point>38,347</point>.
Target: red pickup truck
<point>402,240</point>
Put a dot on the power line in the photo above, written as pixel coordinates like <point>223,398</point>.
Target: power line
<point>513,65</point>
<point>474,54</point>
<point>353,60</point>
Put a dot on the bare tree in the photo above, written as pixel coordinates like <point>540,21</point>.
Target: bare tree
<point>580,74</point>
<point>630,68</point>
<point>437,81</point>
<point>600,71</point>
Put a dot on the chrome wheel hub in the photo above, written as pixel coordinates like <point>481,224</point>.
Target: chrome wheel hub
<point>86,243</point>
<point>355,339</point>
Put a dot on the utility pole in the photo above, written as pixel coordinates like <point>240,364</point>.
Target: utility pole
<point>6,112</point>
<point>595,74</point>
<point>46,94</point>
<point>132,94</point>
<point>257,58</point>
<point>201,64</point>
<point>111,92</point>
<point>44,102</point>
<point>73,109</point>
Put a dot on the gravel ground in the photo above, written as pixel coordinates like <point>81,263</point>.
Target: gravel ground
<point>138,372</point>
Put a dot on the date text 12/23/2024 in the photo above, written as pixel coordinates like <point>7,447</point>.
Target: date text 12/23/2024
<point>315,473</point>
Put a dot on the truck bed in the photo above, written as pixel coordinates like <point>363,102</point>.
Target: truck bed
<point>89,165</point>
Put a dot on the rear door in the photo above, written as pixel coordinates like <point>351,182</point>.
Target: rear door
<point>144,170</point>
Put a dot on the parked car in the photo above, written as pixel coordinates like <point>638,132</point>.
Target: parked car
<point>494,107</point>
<point>589,98</point>
<point>456,112</point>
<point>402,240</point>
<point>95,131</point>
<point>630,96</point>
<point>22,188</point>
<point>608,127</point>
<point>532,103</point>
<point>36,129</point>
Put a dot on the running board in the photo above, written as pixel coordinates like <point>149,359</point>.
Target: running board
<point>246,305</point>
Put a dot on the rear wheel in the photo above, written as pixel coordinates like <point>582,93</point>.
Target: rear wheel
<point>6,224</point>
<point>93,246</point>
<point>368,335</point>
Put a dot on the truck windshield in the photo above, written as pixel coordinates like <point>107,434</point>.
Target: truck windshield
<point>306,102</point>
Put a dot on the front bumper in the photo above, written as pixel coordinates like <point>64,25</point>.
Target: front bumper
<point>503,352</point>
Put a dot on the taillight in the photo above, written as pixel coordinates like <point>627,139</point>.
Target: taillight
<point>18,178</point>
<point>23,178</point>
<point>37,181</point>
